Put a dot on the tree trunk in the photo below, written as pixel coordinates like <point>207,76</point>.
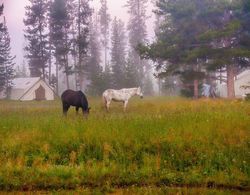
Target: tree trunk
<point>50,62</point>
<point>81,80</point>
<point>196,89</point>
<point>57,78</point>
<point>230,82</point>
<point>105,37</point>
<point>75,74</point>
<point>42,49</point>
<point>75,63</point>
<point>8,92</point>
<point>80,68</point>
<point>105,52</point>
<point>67,70</point>
<point>50,53</point>
<point>67,80</point>
<point>159,85</point>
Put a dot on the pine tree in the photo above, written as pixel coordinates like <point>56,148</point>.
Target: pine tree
<point>60,22</point>
<point>107,77</point>
<point>148,85</point>
<point>105,21</point>
<point>244,41</point>
<point>94,61</point>
<point>69,27</point>
<point>82,14</point>
<point>37,37</point>
<point>21,71</point>
<point>6,59</point>
<point>227,42</point>
<point>1,13</point>
<point>118,60</point>
<point>50,45</point>
<point>198,36</point>
<point>137,33</point>
<point>2,69</point>
<point>167,35</point>
<point>131,76</point>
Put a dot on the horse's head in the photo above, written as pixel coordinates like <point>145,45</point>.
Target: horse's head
<point>86,112</point>
<point>139,92</point>
<point>84,103</point>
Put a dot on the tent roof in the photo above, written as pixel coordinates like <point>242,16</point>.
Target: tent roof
<point>24,83</point>
<point>243,74</point>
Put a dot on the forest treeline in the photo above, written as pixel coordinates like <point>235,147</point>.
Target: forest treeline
<point>201,41</point>
<point>196,41</point>
<point>65,40</point>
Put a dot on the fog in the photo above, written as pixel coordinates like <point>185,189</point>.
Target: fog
<point>14,12</point>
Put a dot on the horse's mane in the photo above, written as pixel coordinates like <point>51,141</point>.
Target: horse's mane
<point>84,99</point>
<point>81,93</point>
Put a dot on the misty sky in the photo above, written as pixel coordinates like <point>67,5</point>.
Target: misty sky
<point>14,12</point>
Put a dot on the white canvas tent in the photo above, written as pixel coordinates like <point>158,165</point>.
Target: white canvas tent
<point>34,88</point>
<point>242,79</point>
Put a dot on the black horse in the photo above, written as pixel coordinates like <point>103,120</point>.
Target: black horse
<point>74,98</point>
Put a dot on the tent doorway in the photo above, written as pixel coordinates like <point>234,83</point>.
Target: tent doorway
<point>40,93</point>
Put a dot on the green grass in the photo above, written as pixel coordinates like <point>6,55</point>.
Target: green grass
<point>158,141</point>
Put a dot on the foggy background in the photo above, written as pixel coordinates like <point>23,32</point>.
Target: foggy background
<point>14,10</point>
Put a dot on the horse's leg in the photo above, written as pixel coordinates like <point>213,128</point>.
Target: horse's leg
<point>77,109</point>
<point>104,101</point>
<point>125,105</point>
<point>108,105</point>
<point>65,109</point>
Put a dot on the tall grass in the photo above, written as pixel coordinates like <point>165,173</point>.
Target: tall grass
<point>158,141</point>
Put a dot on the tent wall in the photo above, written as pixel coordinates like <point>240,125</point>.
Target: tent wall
<point>242,79</point>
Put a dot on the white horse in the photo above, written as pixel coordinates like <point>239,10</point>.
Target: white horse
<point>122,95</point>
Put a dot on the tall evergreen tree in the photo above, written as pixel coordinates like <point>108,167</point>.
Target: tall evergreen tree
<point>244,17</point>
<point>82,14</point>
<point>1,13</point>
<point>60,22</point>
<point>105,22</point>
<point>1,57</point>
<point>137,33</point>
<point>6,59</point>
<point>118,53</point>
<point>50,45</point>
<point>202,34</point>
<point>107,77</point>
<point>69,34</point>
<point>37,37</point>
<point>148,85</point>
<point>131,76</point>
<point>21,71</point>
<point>226,42</point>
<point>94,68</point>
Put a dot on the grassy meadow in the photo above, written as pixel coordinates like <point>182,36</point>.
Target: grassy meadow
<point>157,142</point>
